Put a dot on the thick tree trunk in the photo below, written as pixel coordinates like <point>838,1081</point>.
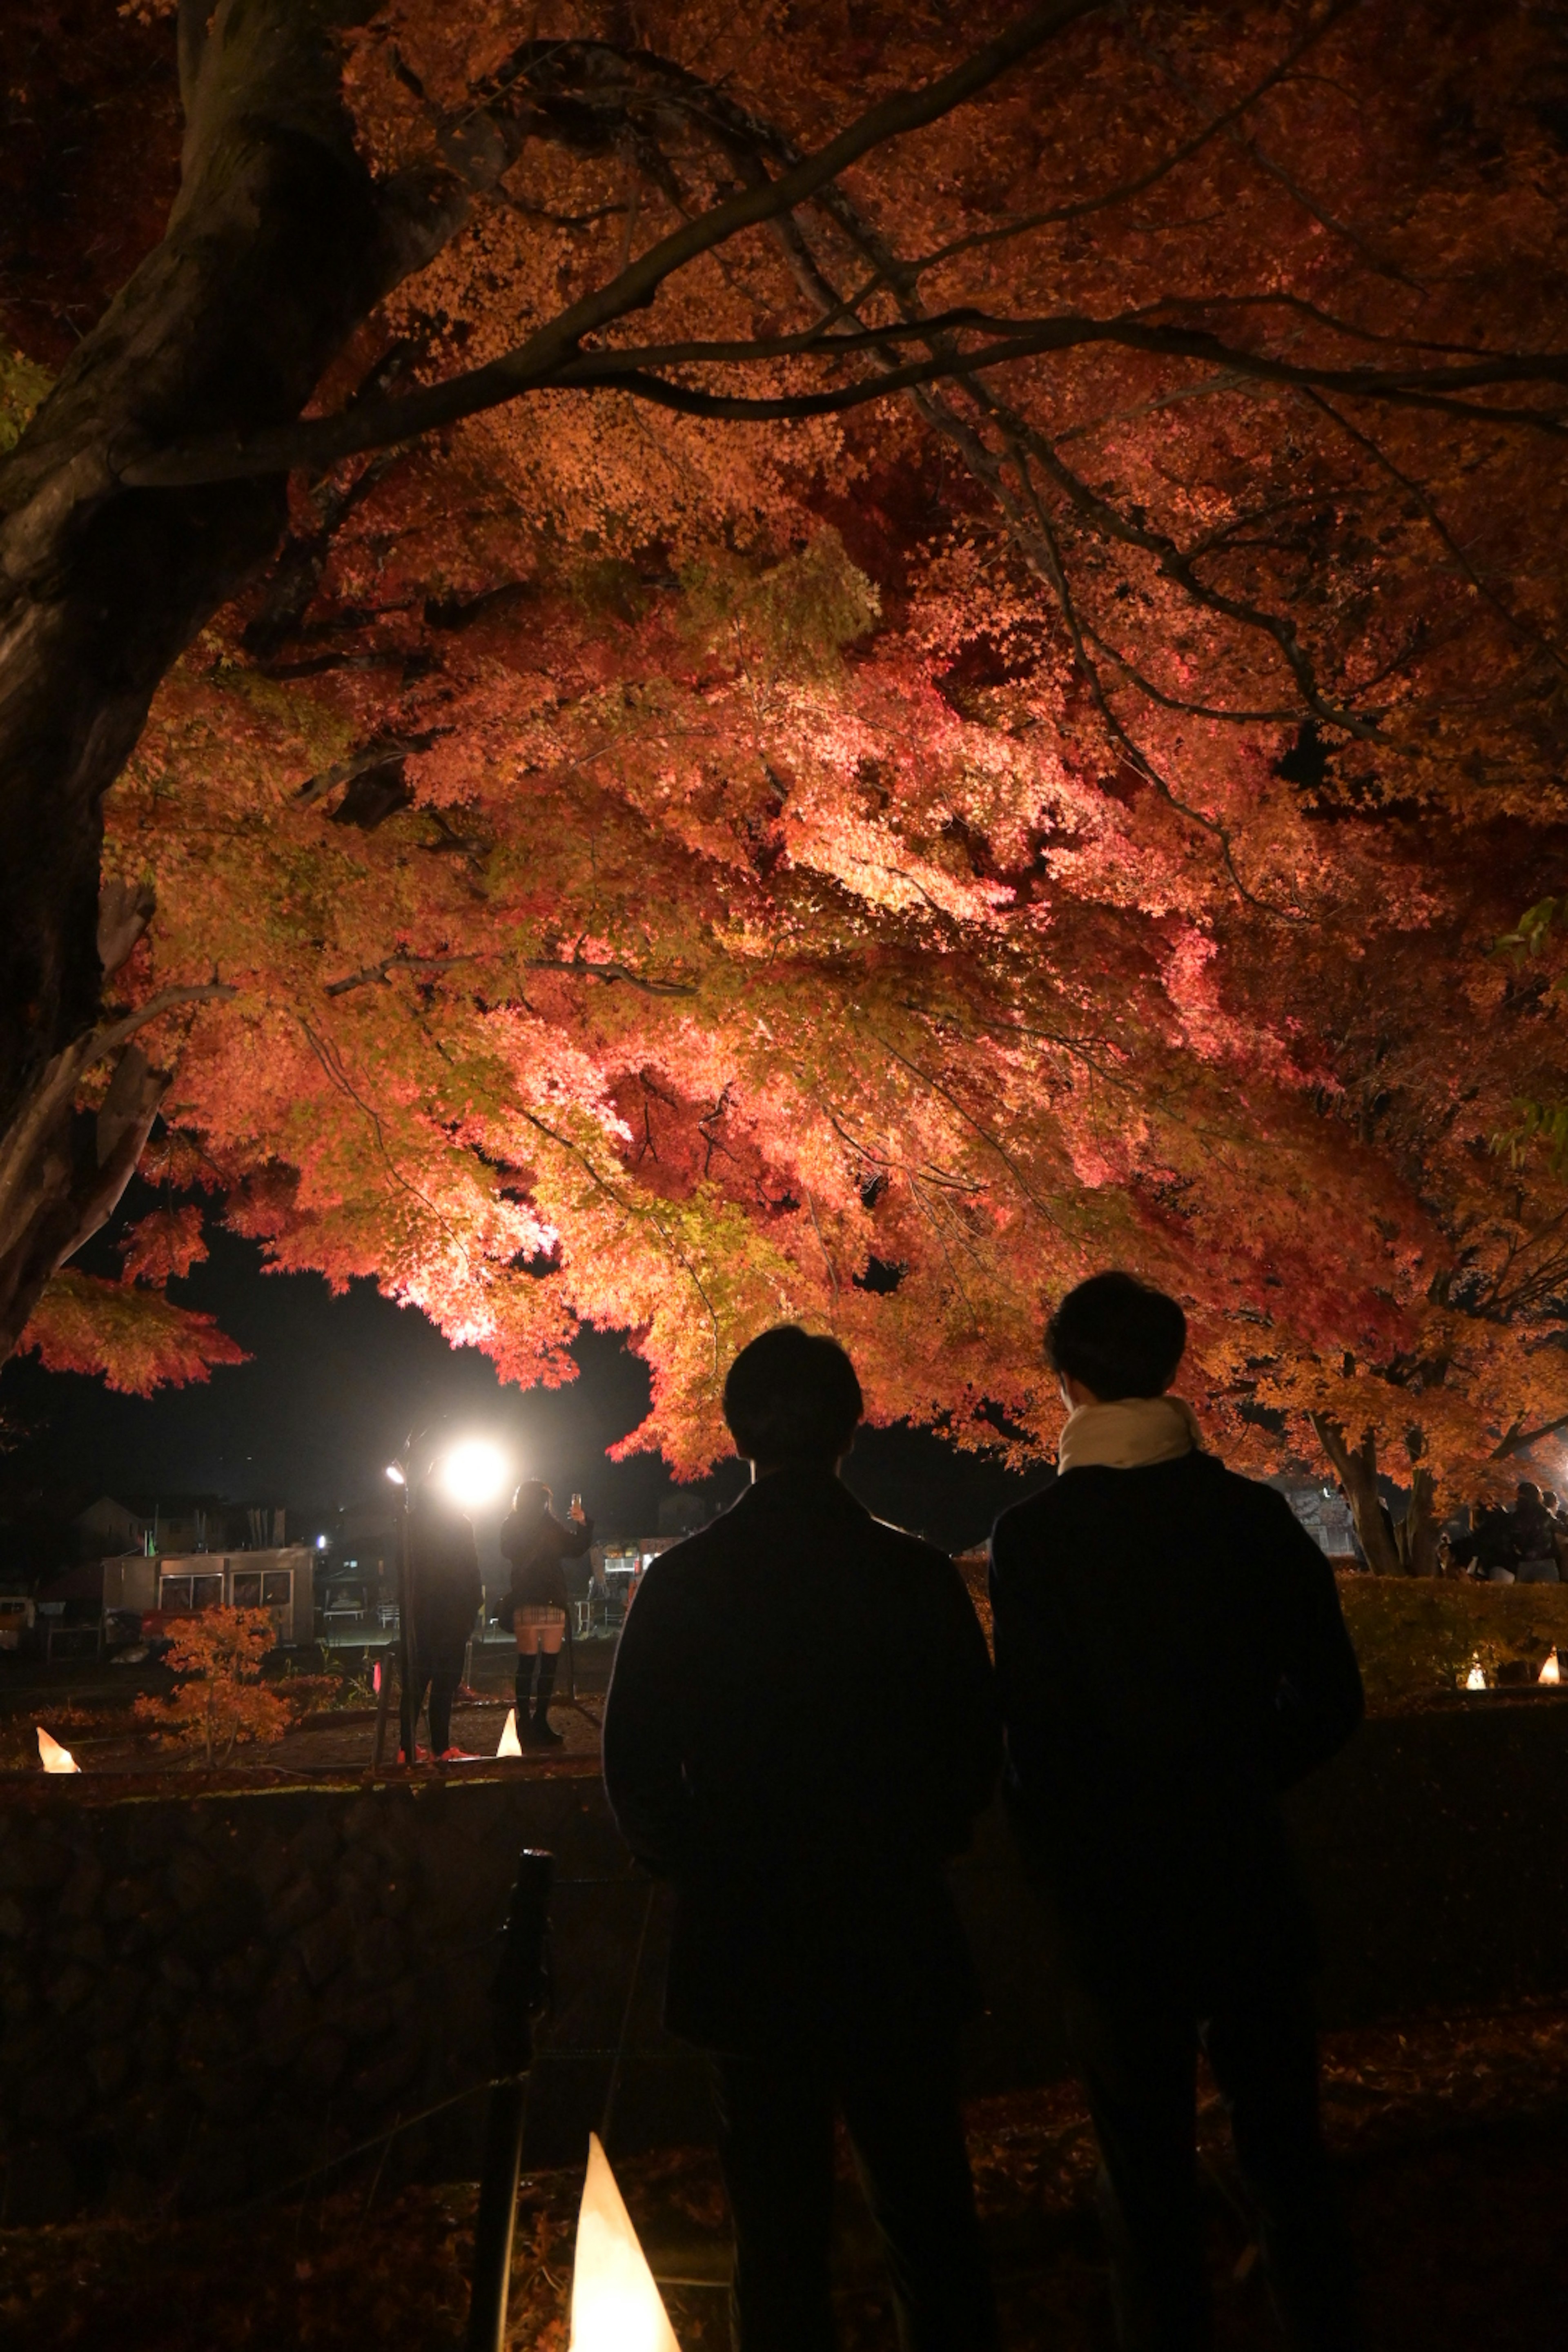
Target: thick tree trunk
<point>1356,1470</point>
<point>1415,1535</point>
<point>278,247</point>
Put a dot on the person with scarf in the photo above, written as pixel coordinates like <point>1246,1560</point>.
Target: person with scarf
<point>537,1545</point>
<point>1171,1656</point>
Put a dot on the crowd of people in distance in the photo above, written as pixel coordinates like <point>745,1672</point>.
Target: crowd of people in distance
<point>1526,1543</point>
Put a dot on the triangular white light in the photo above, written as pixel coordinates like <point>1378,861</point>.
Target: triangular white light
<point>56,1759</point>
<point>615,2307</point>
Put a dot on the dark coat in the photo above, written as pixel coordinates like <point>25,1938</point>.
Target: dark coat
<point>447,1586</point>
<point>801,1727</point>
<point>1171,1656</point>
<point>536,1549</point>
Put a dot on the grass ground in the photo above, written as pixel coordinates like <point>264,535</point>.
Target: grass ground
<point>1450,2135</point>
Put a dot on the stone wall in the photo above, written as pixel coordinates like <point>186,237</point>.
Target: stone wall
<point>209,1994</point>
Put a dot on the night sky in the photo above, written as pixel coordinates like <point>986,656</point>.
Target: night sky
<point>334,1385</point>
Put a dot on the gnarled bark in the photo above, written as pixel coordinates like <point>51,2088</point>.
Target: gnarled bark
<point>1355,1466</point>
<point>278,245</point>
<point>1406,1546</point>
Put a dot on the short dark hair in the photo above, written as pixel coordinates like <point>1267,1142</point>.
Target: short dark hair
<point>1120,1337</point>
<point>792,1397</point>
<point>533,1497</point>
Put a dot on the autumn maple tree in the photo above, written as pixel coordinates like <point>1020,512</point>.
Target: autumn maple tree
<point>218,1699</point>
<point>682,667</point>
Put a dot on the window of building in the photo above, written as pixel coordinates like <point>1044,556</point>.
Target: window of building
<point>182,1595</point>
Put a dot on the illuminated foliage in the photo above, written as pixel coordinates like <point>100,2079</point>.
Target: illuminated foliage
<point>679,868</point>
<point>219,1700</point>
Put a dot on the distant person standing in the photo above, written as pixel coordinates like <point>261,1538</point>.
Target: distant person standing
<point>1488,1551</point>
<point>1535,1554</point>
<point>537,1545</point>
<point>1171,1656</point>
<point>1559,1523</point>
<point>448,1591</point>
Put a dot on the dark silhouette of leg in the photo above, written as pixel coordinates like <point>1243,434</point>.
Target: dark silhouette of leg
<point>1136,2053</point>
<point>1262,2046</point>
<point>776,2148</point>
<point>421,1685</point>
<point>523,1687</point>
<point>900,2095</point>
<point>442,1690</point>
<point>539,1729</point>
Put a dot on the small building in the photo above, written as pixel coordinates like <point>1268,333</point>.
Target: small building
<point>1326,1519</point>
<point>107,1526</point>
<point>179,1584</point>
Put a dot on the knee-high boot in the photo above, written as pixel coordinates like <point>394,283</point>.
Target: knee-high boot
<point>539,1730</point>
<point>522,1688</point>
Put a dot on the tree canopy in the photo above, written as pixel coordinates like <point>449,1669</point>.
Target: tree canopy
<point>841,664</point>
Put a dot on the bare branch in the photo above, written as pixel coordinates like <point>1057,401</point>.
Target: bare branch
<point>537,361</point>
<point>424,966</point>
<point>631,369</point>
<point>1127,189</point>
<point>580,968</point>
<point>381,754</point>
<point>168,999</point>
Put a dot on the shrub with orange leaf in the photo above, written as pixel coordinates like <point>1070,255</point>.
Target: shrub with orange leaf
<point>220,1699</point>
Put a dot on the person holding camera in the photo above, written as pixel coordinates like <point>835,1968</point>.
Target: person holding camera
<point>537,1545</point>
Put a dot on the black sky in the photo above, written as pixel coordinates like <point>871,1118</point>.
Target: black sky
<point>334,1384</point>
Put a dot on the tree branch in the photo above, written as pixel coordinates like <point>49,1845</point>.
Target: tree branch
<point>228,457</point>
<point>580,968</point>
<point>536,367</point>
<point>433,965</point>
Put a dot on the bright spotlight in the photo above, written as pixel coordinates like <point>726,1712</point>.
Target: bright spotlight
<point>394,1473</point>
<point>473,1473</point>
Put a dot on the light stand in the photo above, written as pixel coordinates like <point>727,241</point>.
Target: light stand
<point>407,1692</point>
<point>520,1992</point>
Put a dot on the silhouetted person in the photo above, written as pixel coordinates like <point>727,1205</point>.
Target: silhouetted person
<point>447,1591</point>
<point>1558,1519</point>
<point>1535,1555</point>
<point>537,1543</point>
<point>801,1728</point>
<point>1171,1656</point>
<point>1487,1550</point>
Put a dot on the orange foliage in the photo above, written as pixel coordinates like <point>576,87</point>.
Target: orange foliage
<point>680,872</point>
<point>168,1242</point>
<point>220,1701</point>
<point>137,1339</point>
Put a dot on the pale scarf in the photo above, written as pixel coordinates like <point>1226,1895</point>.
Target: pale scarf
<point>1128,1435</point>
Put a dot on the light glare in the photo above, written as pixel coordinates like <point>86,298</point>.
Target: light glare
<point>394,1473</point>
<point>473,1473</point>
